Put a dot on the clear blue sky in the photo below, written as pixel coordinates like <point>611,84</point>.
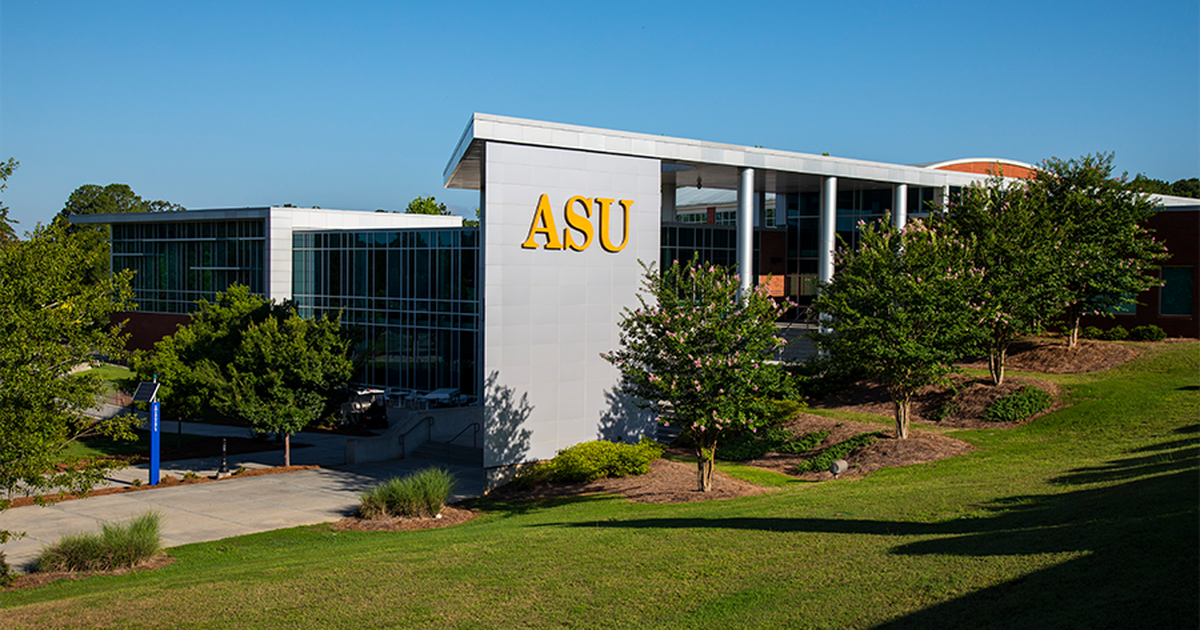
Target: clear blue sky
<point>358,105</point>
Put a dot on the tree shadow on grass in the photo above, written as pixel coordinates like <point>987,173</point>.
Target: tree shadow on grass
<point>517,506</point>
<point>1140,562</point>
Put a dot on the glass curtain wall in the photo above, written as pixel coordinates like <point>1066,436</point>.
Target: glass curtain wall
<point>176,264</point>
<point>803,222</point>
<point>411,296</point>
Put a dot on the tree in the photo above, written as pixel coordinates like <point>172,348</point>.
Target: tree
<point>426,205</point>
<point>1180,188</point>
<point>695,353</point>
<point>50,322</point>
<point>7,234</point>
<point>246,357</point>
<point>110,199</point>
<point>284,372</point>
<point>189,364</point>
<point>898,310</point>
<point>1104,256</point>
<point>1011,244</point>
<point>1189,187</point>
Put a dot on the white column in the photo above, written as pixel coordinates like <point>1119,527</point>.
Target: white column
<point>668,198</point>
<point>745,227</point>
<point>827,231</point>
<point>900,206</point>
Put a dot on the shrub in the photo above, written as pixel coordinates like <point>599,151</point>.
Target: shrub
<point>752,445</point>
<point>1116,333</point>
<point>6,573</point>
<point>1018,405</point>
<point>837,451</point>
<point>419,495</point>
<point>115,546</point>
<point>589,461</point>
<point>1147,333</point>
<point>817,378</point>
<point>944,411</point>
<point>1091,332</point>
<point>804,443</point>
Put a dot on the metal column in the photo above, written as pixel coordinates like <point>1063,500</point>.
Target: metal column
<point>900,206</point>
<point>827,230</point>
<point>745,227</point>
<point>668,198</point>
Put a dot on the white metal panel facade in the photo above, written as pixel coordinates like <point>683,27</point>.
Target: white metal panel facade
<point>550,312</point>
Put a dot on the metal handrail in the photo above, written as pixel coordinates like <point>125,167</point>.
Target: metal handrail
<point>428,421</point>
<point>474,438</point>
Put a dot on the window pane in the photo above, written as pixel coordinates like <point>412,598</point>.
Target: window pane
<point>1177,291</point>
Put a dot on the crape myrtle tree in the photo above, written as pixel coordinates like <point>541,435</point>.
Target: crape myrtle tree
<point>898,310</point>
<point>51,321</point>
<point>1012,245</point>
<point>695,353</point>
<point>1104,255</point>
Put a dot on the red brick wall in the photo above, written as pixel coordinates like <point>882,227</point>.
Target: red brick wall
<point>772,258</point>
<point>146,329</point>
<point>1180,231</point>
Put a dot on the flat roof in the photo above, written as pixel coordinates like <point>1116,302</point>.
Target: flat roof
<point>693,162</point>
<point>300,218</point>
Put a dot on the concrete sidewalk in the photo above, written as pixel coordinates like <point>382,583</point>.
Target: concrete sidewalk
<point>232,507</point>
<point>324,449</point>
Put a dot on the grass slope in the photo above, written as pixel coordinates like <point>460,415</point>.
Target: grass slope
<point>1086,517</point>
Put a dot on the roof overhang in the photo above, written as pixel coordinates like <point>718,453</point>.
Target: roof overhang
<point>688,162</point>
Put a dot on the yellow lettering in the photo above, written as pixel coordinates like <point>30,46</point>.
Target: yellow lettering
<point>605,234</point>
<point>543,223</point>
<point>577,222</point>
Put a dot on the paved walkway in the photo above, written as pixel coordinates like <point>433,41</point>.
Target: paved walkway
<point>232,507</point>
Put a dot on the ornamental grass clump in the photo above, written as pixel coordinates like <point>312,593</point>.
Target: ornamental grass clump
<point>116,546</point>
<point>422,494</point>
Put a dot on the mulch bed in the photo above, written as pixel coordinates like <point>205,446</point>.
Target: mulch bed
<point>667,482</point>
<point>919,448</point>
<point>450,516</point>
<point>34,580</point>
<point>1050,355</point>
<point>971,397</point>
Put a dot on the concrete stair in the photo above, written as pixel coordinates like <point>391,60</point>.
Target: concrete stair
<point>449,453</point>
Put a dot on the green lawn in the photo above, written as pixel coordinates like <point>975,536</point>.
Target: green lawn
<point>1085,518</point>
<point>115,377</point>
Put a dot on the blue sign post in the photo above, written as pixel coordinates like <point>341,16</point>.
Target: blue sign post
<point>148,393</point>
<point>154,450</point>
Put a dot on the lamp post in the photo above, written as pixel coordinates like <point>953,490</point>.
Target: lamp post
<point>224,469</point>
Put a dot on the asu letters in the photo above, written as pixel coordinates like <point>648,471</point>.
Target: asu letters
<point>579,231</point>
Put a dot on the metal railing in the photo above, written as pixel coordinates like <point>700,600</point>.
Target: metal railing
<point>474,438</point>
<point>428,422</point>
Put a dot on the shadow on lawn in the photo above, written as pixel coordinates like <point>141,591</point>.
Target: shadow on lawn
<point>1138,537</point>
